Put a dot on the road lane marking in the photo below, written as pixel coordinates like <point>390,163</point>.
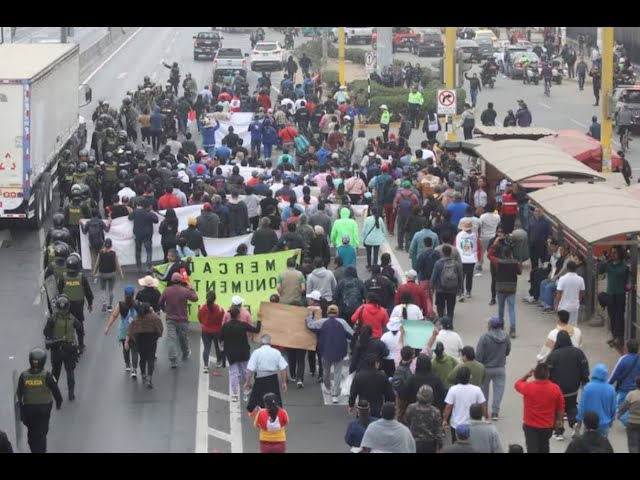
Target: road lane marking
<point>121,76</point>
<point>545,105</point>
<point>577,122</point>
<point>124,44</point>
<point>218,434</point>
<point>235,423</point>
<point>202,409</point>
<point>218,395</point>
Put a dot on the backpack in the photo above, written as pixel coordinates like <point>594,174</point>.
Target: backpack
<point>302,144</point>
<point>351,295</point>
<point>405,206</point>
<point>400,379</point>
<point>449,275</point>
<point>95,229</point>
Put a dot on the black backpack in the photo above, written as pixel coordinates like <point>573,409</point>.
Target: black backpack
<point>352,295</point>
<point>95,230</point>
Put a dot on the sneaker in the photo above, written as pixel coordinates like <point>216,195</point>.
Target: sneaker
<point>478,268</point>
<point>313,374</point>
<point>529,299</point>
<point>492,301</point>
<point>547,310</point>
<point>149,383</point>
<point>325,390</point>
<point>461,299</point>
<point>559,437</point>
<point>334,399</point>
<point>72,396</point>
<point>174,365</point>
<point>235,398</point>
<point>494,417</point>
<point>467,295</point>
<point>512,332</point>
<point>104,307</point>
<point>109,308</point>
<point>320,379</point>
<point>219,365</point>
<point>186,357</point>
<point>134,373</point>
<point>127,368</point>
<point>300,385</point>
<point>205,370</point>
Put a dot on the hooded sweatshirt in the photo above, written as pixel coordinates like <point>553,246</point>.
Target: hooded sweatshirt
<point>345,226</point>
<point>373,315</point>
<point>493,348</point>
<point>568,365</point>
<point>598,396</point>
<point>322,280</point>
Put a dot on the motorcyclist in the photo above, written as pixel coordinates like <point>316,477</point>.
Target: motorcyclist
<point>489,70</point>
<point>288,41</point>
<point>547,75</point>
<point>624,120</point>
<point>264,81</point>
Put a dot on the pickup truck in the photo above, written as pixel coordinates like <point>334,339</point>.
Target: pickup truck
<point>40,96</point>
<point>353,34</point>
<point>205,44</point>
<point>229,60</point>
<point>403,37</point>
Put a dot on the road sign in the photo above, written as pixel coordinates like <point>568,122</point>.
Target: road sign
<point>446,102</point>
<point>370,62</point>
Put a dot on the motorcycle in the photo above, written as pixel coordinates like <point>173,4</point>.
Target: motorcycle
<point>624,78</point>
<point>288,42</point>
<point>531,75</point>
<point>488,77</point>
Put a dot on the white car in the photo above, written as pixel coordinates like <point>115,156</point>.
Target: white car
<point>268,56</point>
<point>353,35</point>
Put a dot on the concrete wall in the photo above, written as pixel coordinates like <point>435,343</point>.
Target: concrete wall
<point>104,46</point>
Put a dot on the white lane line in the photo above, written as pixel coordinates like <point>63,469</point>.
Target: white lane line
<point>277,90</point>
<point>499,124</point>
<point>218,434</point>
<point>235,424</point>
<point>121,76</point>
<point>41,239</point>
<point>112,55</point>
<point>218,395</point>
<point>545,105</point>
<point>202,409</point>
<point>577,122</point>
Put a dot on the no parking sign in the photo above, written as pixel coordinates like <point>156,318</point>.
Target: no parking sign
<point>446,102</point>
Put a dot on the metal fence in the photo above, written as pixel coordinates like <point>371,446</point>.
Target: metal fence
<point>628,36</point>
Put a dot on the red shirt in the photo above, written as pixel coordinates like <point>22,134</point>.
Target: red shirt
<point>373,315</point>
<point>288,134</point>
<point>253,181</point>
<point>224,96</point>
<point>509,204</point>
<point>264,101</point>
<point>542,399</point>
<point>168,200</point>
<point>417,292</point>
<point>334,138</point>
<point>211,321</point>
<point>311,107</point>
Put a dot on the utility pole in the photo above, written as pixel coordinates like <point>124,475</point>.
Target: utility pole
<point>606,52</point>
<point>63,34</point>
<point>450,73</point>
<point>385,48</point>
<point>341,75</point>
<point>325,49</point>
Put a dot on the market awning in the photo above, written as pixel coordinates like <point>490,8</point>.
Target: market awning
<point>594,213</point>
<point>499,133</point>
<point>520,160</point>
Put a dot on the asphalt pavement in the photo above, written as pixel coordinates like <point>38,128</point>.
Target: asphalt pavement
<point>188,411</point>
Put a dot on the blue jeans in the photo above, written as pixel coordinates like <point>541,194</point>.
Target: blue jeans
<point>619,400</point>
<point>547,291</point>
<point>255,148</point>
<point>140,241</point>
<point>510,299</point>
<point>474,97</point>
<point>581,81</point>
<point>267,149</point>
<point>496,375</point>
<point>211,150</point>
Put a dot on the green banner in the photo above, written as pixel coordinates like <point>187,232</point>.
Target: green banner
<point>417,333</point>
<point>252,277</point>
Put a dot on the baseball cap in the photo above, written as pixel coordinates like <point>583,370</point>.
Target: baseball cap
<point>315,295</point>
<point>237,300</point>
<point>206,206</point>
<point>385,168</point>
<point>406,184</point>
<point>463,431</point>
<point>333,310</point>
<point>129,290</point>
<point>394,325</point>
<point>383,107</point>
<point>176,277</point>
<point>346,240</point>
<point>411,274</point>
<point>495,322</point>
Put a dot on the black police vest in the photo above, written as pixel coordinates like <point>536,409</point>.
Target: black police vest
<point>36,391</point>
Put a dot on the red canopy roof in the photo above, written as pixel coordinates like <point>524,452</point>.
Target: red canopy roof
<point>581,147</point>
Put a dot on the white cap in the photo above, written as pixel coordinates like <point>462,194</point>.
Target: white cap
<point>394,324</point>
<point>315,295</point>
<point>383,107</point>
<point>411,274</point>
<point>343,87</point>
<point>237,300</point>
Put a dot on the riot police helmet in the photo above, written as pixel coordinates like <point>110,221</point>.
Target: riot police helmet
<point>111,132</point>
<point>76,191</point>
<point>73,263</point>
<point>83,153</point>
<point>61,250</point>
<point>37,359</point>
<point>82,167</point>
<point>85,191</point>
<point>123,174</point>
<point>58,220</point>
<point>62,303</point>
<point>122,136</point>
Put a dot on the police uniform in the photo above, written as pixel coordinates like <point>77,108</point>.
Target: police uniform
<point>76,288</point>
<point>35,393</point>
<point>109,180</point>
<point>60,331</point>
<point>73,213</point>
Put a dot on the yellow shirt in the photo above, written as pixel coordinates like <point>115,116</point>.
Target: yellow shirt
<point>271,431</point>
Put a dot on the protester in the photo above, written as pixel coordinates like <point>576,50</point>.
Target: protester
<point>264,364</point>
<point>625,372</point>
<point>357,427</point>
<point>600,397</point>
<point>210,317</point>
<point>388,435</point>
<point>492,351</point>
<point>484,436</point>
<point>425,422</point>
<point>631,407</point>
<point>107,264</point>
<point>372,385</point>
<point>459,399</point>
<point>591,441</point>
<point>271,421</point>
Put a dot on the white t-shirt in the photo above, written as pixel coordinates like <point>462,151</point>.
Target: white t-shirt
<point>570,284</point>
<point>452,343</point>
<point>462,397</point>
<point>489,222</point>
<point>467,245</point>
<point>427,154</point>
<point>480,198</point>
<point>413,312</point>
<point>393,344</point>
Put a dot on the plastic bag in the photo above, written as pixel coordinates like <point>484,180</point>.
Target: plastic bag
<point>345,388</point>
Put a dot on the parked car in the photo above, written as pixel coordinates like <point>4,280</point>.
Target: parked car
<point>403,37</point>
<point>629,96</point>
<point>229,60</point>
<point>501,44</point>
<point>468,50</point>
<point>353,34</point>
<point>488,34</point>
<point>429,43</point>
<point>206,44</point>
<point>268,56</point>
<point>485,47</point>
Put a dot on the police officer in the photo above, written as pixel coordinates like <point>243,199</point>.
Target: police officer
<point>80,177</point>
<point>36,387</point>
<point>58,233</point>
<point>60,338</point>
<point>109,178</point>
<point>94,179</point>
<point>110,142</point>
<point>67,182</point>
<point>58,266</point>
<point>63,166</point>
<point>86,199</point>
<point>74,212</point>
<point>75,285</point>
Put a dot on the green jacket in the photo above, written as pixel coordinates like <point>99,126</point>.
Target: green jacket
<point>416,98</point>
<point>385,118</point>
<point>345,226</point>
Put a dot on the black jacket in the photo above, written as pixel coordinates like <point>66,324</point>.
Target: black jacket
<point>375,346</point>
<point>151,296</point>
<point>236,343</point>
<point>488,117</point>
<point>371,385</point>
<point>238,218</point>
<point>264,240</point>
<point>414,383</point>
<point>194,240</point>
<point>319,247</point>
<point>568,365</point>
<point>143,221</point>
<point>590,442</point>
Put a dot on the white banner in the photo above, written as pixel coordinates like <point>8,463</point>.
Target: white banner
<point>121,234</point>
<point>240,122</point>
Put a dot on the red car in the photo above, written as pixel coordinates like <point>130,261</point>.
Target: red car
<point>403,37</point>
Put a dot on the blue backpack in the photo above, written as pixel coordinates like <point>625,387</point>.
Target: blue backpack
<point>302,144</point>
